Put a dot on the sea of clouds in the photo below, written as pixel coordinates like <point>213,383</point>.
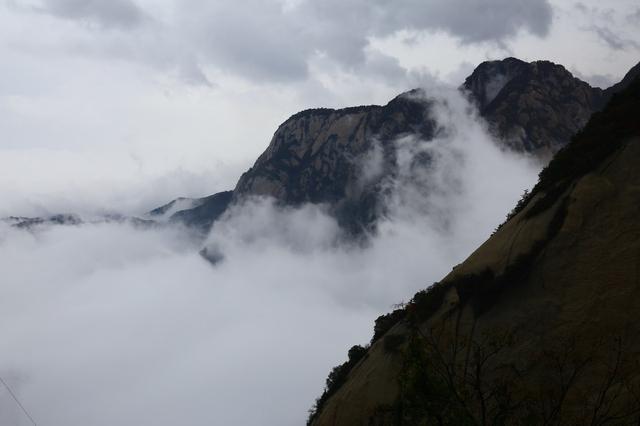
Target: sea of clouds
<point>105,323</point>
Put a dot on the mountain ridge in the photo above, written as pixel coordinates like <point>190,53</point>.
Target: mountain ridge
<point>287,171</point>
<point>314,155</point>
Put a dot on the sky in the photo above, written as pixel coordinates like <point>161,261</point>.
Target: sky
<point>125,104</point>
<point>122,105</point>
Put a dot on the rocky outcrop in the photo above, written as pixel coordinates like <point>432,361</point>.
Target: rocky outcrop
<point>319,156</point>
<point>534,107</point>
<point>541,324</point>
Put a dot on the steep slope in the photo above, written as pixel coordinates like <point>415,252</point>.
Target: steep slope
<point>540,325</point>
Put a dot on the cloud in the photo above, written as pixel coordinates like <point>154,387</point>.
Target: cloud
<point>272,40</point>
<point>132,326</point>
<point>123,14</point>
<point>613,40</point>
<point>277,41</point>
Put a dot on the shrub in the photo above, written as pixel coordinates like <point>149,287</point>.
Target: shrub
<point>336,379</point>
<point>391,342</point>
<point>385,322</point>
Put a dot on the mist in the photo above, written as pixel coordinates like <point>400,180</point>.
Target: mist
<point>107,324</point>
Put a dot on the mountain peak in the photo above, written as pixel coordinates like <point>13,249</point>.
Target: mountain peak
<point>534,106</point>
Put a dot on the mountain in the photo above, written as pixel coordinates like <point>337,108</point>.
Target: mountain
<point>624,83</point>
<point>323,156</point>
<point>540,325</point>
<point>534,107</point>
<point>318,155</point>
<point>199,213</point>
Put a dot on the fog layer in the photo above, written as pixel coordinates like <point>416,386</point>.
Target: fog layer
<point>107,324</point>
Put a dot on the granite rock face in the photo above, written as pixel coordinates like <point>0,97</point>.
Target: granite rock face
<point>533,107</point>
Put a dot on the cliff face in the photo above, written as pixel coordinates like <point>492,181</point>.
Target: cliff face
<point>535,107</point>
<point>540,325</point>
<point>318,156</point>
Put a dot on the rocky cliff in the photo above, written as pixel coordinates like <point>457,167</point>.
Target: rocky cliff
<point>534,107</point>
<point>540,325</point>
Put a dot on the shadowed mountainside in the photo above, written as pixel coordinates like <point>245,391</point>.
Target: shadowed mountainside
<point>540,325</point>
<point>534,107</point>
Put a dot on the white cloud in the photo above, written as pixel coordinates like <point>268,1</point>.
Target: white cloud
<point>108,324</point>
<point>274,40</point>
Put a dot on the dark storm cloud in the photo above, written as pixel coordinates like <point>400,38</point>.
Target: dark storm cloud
<point>107,14</point>
<point>130,326</point>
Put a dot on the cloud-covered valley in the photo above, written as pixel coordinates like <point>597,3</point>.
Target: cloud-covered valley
<point>108,323</point>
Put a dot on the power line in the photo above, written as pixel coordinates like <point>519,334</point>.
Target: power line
<point>15,398</point>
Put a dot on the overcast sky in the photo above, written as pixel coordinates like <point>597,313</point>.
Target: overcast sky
<point>123,104</point>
